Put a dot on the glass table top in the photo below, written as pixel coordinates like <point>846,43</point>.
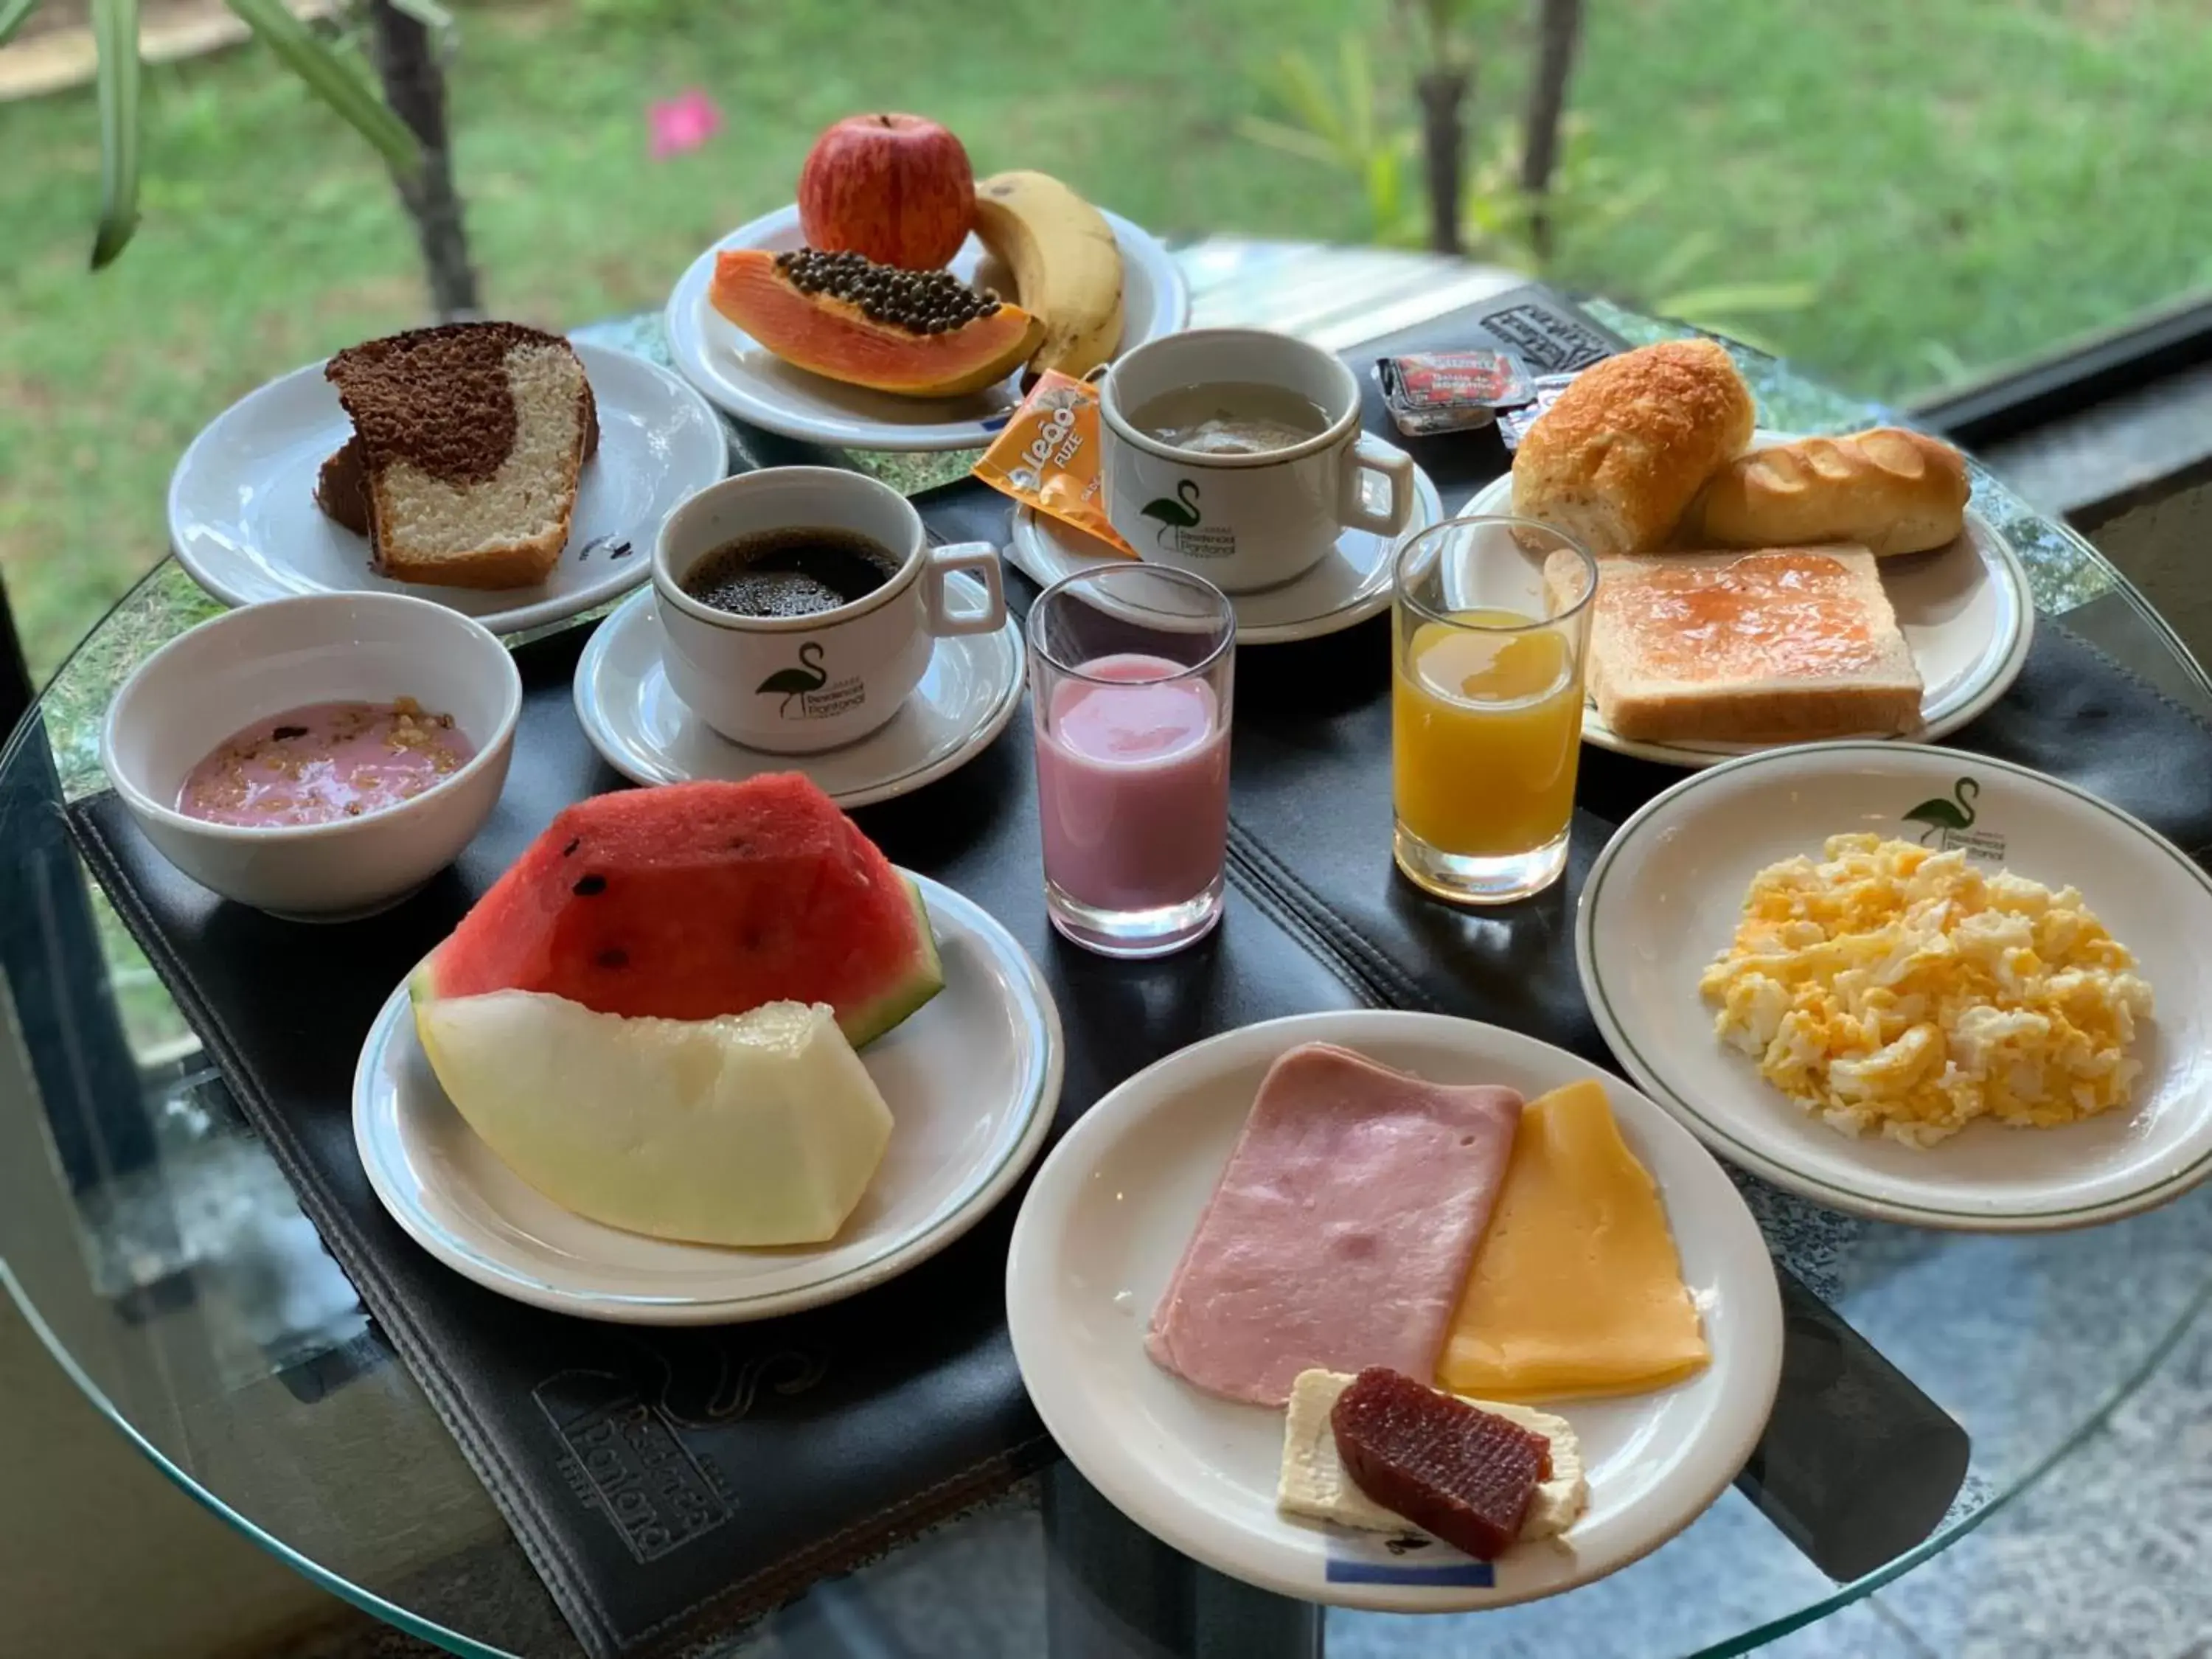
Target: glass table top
<point>148,1236</point>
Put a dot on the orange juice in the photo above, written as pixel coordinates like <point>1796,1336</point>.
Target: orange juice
<point>1485,727</point>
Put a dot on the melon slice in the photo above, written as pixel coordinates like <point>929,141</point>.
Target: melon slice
<point>762,1128</point>
<point>695,900</point>
<point>833,338</point>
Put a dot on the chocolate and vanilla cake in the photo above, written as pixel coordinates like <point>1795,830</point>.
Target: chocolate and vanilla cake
<point>468,441</point>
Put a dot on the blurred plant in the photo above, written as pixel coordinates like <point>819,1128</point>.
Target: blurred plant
<point>406,124</point>
<point>1500,218</point>
<point>1444,38</point>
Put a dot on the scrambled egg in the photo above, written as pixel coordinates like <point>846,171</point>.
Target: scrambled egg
<point>1892,988</point>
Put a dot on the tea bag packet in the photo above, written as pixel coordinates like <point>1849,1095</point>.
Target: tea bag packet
<point>1049,457</point>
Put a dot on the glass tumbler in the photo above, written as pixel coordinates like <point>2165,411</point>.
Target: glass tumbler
<point>1491,629</point>
<point>1130,676</point>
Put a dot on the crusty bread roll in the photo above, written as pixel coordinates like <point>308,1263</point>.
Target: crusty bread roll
<point>1782,645</point>
<point>1616,460</point>
<point>1887,489</point>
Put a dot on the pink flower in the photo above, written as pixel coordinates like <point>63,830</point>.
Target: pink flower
<point>683,122</point>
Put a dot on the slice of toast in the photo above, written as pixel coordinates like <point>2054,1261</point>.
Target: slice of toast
<point>1779,645</point>
<point>470,440</point>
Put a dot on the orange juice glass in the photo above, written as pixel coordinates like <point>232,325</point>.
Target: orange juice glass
<point>1491,628</point>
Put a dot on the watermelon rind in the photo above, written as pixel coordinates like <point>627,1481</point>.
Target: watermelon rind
<point>864,1025</point>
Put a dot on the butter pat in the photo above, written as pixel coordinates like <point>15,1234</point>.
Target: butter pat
<point>1314,1482</point>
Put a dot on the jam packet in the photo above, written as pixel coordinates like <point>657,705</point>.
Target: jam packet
<point>1430,392</point>
<point>1049,457</point>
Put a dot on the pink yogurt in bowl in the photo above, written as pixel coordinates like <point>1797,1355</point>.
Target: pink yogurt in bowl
<point>396,718</point>
<point>325,762</point>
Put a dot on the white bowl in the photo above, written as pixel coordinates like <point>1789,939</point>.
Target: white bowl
<point>324,647</point>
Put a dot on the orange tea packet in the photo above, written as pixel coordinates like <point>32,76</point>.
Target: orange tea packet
<point>1049,457</point>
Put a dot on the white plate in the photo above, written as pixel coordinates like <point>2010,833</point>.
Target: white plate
<point>243,518</point>
<point>1663,899</point>
<point>1348,586</point>
<point>723,361</point>
<point>1107,1219</point>
<point>971,1080</point>
<point>1965,609</point>
<point>647,733</point>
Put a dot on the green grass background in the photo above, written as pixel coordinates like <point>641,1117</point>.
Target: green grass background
<point>1966,181</point>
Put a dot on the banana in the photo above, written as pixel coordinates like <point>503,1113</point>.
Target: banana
<point>1066,265</point>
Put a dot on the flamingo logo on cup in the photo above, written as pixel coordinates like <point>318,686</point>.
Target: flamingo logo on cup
<point>795,681</point>
<point>1237,454</point>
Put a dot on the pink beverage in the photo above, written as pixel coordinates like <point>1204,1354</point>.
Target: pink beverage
<point>1132,784</point>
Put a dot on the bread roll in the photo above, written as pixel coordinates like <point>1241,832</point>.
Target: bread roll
<point>1889,490</point>
<point>1780,645</point>
<point>1628,447</point>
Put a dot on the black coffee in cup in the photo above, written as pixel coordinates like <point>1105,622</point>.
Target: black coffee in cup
<point>797,572</point>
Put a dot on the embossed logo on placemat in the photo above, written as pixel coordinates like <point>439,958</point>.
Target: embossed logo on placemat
<point>626,1459</point>
<point>1547,340</point>
<point>626,1454</point>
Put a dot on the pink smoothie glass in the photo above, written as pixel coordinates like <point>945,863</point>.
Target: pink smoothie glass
<point>1130,672</point>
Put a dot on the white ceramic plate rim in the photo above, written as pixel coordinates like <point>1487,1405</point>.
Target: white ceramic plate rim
<point>375,1134</point>
<point>1029,552</point>
<point>631,758</point>
<point>1161,1502</point>
<point>2000,665</point>
<point>1872,1198</point>
<point>214,566</point>
<point>736,394</point>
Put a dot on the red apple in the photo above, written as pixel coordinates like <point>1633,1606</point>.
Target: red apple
<point>896,189</point>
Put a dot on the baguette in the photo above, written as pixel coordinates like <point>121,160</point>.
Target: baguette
<point>1782,645</point>
<point>1889,490</point>
<point>1616,460</point>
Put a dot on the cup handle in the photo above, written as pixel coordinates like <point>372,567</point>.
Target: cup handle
<point>978,559</point>
<point>1363,455</point>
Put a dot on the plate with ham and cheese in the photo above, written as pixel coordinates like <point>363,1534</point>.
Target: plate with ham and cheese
<point>1395,1311</point>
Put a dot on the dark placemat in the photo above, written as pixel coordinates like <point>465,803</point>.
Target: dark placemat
<point>666,1482</point>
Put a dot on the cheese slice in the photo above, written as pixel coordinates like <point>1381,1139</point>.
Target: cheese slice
<point>1314,1482</point>
<point>1575,1288</point>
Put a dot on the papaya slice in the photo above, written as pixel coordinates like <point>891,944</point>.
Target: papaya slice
<point>832,336</point>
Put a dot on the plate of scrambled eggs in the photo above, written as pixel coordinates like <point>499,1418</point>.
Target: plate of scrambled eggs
<point>1913,983</point>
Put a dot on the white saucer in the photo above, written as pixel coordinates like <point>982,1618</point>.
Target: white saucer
<point>972,1080</point>
<point>1663,899</point>
<point>1348,586</point>
<point>752,383</point>
<point>647,733</point>
<point>1965,609</point>
<point>1106,1221</point>
<point>243,518</point>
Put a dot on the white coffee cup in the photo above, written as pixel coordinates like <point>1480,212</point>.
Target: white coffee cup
<point>1244,521</point>
<point>795,684</point>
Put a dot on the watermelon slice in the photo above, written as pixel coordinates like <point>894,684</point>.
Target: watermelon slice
<point>695,900</point>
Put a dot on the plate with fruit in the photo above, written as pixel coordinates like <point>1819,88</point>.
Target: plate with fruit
<point>899,303</point>
<point>704,1055</point>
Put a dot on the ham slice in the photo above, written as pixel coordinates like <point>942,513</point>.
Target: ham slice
<point>1340,1233</point>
